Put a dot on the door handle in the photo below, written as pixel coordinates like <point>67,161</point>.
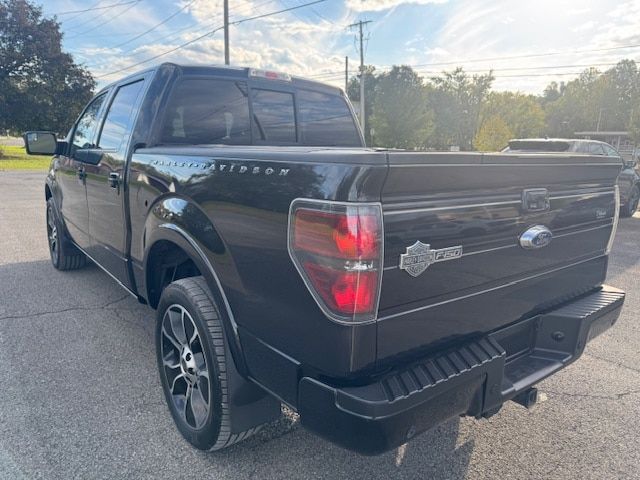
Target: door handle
<point>114,179</point>
<point>81,173</point>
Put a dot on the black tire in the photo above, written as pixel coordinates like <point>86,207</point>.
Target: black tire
<point>210,430</point>
<point>632,205</point>
<point>64,255</point>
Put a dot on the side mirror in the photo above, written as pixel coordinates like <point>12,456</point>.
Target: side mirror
<point>40,143</point>
<point>630,163</point>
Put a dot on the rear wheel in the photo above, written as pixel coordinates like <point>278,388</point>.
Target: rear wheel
<point>191,358</point>
<point>632,205</point>
<point>64,256</point>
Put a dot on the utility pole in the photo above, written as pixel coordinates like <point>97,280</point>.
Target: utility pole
<point>346,74</point>
<point>360,24</point>
<point>226,32</point>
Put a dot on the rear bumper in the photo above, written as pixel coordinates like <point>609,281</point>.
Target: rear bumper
<point>473,379</point>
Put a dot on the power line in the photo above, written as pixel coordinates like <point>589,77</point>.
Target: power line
<point>532,55</point>
<point>77,26</point>
<point>180,30</point>
<point>177,12</point>
<point>211,32</point>
<point>336,74</point>
<point>418,68</point>
<point>109,20</point>
<point>91,9</point>
<point>78,14</point>
<point>176,33</point>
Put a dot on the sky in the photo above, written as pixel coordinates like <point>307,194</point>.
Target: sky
<point>526,43</point>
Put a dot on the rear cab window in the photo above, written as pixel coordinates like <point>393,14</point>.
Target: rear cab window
<point>222,111</point>
<point>274,116</point>
<point>205,111</point>
<point>325,120</point>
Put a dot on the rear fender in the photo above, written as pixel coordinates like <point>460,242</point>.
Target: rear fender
<point>180,221</point>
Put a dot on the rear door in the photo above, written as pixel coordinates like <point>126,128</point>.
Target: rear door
<point>471,210</point>
<point>105,181</point>
<point>71,173</point>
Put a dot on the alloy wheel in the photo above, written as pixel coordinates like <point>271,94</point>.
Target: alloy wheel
<point>52,231</point>
<point>185,366</point>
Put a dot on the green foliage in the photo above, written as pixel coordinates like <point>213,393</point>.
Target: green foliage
<point>593,101</point>
<point>16,158</point>
<point>401,118</point>
<point>493,134</point>
<point>456,100</point>
<point>522,114</point>
<point>353,92</point>
<point>455,109</point>
<point>40,86</point>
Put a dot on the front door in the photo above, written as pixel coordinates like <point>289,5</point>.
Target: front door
<point>105,180</point>
<point>71,174</point>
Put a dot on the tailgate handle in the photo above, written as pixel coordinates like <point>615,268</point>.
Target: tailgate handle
<point>535,200</point>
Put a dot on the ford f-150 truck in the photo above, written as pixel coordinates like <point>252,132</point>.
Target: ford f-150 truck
<point>377,293</point>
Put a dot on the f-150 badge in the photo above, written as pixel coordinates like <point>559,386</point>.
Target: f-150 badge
<point>420,255</point>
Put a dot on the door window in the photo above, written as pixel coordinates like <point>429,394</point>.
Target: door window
<point>610,151</point>
<point>273,116</point>
<point>595,149</point>
<point>85,128</point>
<point>119,117</point>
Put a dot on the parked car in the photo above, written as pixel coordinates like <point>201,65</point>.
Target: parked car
<point>628,180</point>
<point>287,263</point>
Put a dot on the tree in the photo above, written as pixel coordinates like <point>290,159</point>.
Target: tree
<point>493,134</point>
<point>400,117</point>
<point>595,101</point>
<point>552,92</point>
<point>521,114</point>
<point>455,99</point>
<point>40,86</point>
<point>353,92</point>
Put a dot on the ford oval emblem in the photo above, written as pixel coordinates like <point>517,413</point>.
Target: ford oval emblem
<point>535,237</point>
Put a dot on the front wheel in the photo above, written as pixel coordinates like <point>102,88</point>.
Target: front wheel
<point>64,255</point>
<point>190,348</point>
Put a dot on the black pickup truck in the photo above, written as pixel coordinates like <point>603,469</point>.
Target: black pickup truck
<point>377,293</point>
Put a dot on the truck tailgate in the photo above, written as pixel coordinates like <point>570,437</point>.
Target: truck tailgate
<point>475,202</point>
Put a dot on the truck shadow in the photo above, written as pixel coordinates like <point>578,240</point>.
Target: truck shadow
<point>436,454</point>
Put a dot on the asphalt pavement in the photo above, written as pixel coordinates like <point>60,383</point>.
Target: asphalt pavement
<point>80,395</point>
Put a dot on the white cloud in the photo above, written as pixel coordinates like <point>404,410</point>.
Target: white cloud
<point>282,42</point>
<point>476,30</point>
<point>378,5</point>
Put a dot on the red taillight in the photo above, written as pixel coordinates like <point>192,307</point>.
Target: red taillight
<point>337,248</point>
<point>344,292</point>
<point>337,235</point>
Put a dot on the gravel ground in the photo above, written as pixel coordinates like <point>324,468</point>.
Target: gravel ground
<point>80,395</point>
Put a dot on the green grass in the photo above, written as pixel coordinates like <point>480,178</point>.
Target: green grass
<point>16,158</point>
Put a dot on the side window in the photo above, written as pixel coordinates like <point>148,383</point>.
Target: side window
<point>610,151</point>
<point>325,120</point>
<point>83,135</point>
<point>207,111</point>
<point>119,117</point>
<point>273,116</point>
<point>596,149</point>
<point>581,147</point>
